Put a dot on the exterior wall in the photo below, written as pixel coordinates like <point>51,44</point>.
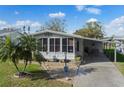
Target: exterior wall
<point>57,55</point>
<point>81,47</point>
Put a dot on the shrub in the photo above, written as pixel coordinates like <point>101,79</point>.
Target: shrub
<point>78,58</point>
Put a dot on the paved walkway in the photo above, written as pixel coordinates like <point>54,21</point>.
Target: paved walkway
<point>99,74</point>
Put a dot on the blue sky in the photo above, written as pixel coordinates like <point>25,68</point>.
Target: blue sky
<point>112,17</point>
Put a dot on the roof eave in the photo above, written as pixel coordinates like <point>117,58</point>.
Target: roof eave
<point>65,34</point>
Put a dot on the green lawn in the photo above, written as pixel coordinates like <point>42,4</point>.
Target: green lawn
<point>39,78</point>
<point>120,66</point>
<point>120,59</point>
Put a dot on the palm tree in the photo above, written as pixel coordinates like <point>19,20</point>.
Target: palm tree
<point>8,51</point>
<point>22,48</point>
<point>28,45</point>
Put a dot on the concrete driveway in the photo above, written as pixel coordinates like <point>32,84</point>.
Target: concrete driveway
<point>99,74</point>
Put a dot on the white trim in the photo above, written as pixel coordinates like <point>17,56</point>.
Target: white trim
<point>61,44</point>
<point>73,45</point>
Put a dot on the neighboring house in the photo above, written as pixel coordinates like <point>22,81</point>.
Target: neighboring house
<point>13,33</point>
<point>119,40</point>
<point>58,45</point>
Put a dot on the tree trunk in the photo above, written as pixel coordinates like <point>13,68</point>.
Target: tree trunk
<point>26,63</point>
<point>16,66</point>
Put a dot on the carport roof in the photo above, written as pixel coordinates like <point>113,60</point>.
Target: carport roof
<point>66,34</point>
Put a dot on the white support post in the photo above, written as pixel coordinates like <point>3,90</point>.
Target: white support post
<point>115,54</point>
<point>82,43</point>
<point>61,44</point>
<point>54,45</point>
<point>67,46</point>
<point>48,44</point>
<point>74,45</point>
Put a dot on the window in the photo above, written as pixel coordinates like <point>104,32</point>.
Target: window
<point>77,45</point>
<point>64,45</point>
<point>67,45</point>
<point>42,44</point>
<point>39,45</point>
<point>52,45</point>
<point>57,44</point>
<point>70,44</point>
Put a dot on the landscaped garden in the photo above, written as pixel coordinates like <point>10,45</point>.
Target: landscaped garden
<point>38,77</point>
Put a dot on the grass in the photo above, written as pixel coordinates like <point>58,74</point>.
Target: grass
<point>38,79</point>
<point>120,66</point>
<point>120,59</point>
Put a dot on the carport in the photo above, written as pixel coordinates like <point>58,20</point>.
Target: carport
<point>92,50</point>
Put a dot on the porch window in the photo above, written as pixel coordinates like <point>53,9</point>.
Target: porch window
<point>42,44</point>
<point>70,44</point>
<point>57,44</point>
<point>64,45</point>
<point>39,44</point>
<point>67,45</point>
<point>45,44</point>
<point>52,44</point>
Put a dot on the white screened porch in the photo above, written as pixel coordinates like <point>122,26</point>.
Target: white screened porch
<point>57,47</point>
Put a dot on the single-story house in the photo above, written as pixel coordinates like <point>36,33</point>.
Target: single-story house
<point>58,45</point>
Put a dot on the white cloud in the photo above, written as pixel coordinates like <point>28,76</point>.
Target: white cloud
<point>17,12</point>
<point>3,24</point>
<point>93,10</point>
<point>20,23</point>
<point>59,14</point>
<point>27,23</point>
<point>80,7</point>
<point>92,20</point>
<point>115,27</point>
<point>36,24</point>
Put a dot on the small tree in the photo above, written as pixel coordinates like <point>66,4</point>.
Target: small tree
<point>92,30</point>
<point>9,51</point>
<point>28,46</point>
<point>22,48</point>
<point>55,24</point>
